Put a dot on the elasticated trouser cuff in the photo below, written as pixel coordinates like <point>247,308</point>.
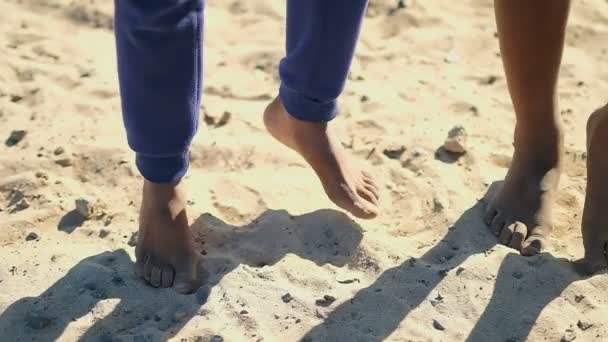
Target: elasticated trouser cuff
<point>304,108</point>
<point>165,170</point>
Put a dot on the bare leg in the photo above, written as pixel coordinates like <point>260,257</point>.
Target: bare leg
<point>165,251</point>
<point>531,40</point>
<point>595,215</point>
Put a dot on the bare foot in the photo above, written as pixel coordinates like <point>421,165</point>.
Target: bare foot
<point>165,251</point>
<point>520,214</point>
<point>346,185</point>
<point>595,214</point>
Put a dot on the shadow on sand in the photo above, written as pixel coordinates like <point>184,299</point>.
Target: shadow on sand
<point>375,312</point>
<point>324,237</point>
<point>123,308</point>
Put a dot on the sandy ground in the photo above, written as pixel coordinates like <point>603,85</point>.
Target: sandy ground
<point>426,270</point>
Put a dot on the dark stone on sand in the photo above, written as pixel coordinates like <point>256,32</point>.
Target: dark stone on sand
<point>59,150</point>
<point>37,322</point>
<point>15,137</point>
<point>287,298</point>
<point>491,80</point>
<point>394,153</point>
<point>84,207</point>
<point>438,325</point>
<point>16,98</point>
<point>364,98</point>
<point>133,240</point>
<point>579,298</point>
<point>583,325</point>
<point>216,338</point>
<point>348,281</point>
<point>459,270</point>
<point>244,312</point>
<point>326,301</point>
<point>64,162</point>
<point>103,233</point>
<point>31,236</point>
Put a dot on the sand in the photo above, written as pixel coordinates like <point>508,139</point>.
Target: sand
<point>278,252</point>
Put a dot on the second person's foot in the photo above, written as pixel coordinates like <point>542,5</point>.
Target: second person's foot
<point>345,184</point>
<point>520,213</point>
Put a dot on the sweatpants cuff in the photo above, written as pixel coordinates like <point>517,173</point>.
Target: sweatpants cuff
<point>305,108</point>
<point>163,170</point>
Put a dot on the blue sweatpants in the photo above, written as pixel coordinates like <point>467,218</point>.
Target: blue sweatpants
<point>159,46</point>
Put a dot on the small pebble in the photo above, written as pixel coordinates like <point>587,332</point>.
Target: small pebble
<point>348,281</point>
<point>244,312</point>
<point>569,336</point>
<point>21,205</point>
<point>326,301</point>
<point>31,236</point>
<point>59,150</point>
<point>578,298</point>
<point>217,338</point>
<point>103,233</point>
<point>491,80</point>
<point>133,239</point>
<point>456,141</point>
<point>15,137</point>
<point>287,298</point>
<point>64,162</point>
<point>438,325</point>
<point>84,207</point>
<point>394,152</point>
<point>583,325</point>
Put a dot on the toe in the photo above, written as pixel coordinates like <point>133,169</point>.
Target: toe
<point>506,233</point>
<point>363,209</point>
<point>519,234</point>
<point>371,185</point>
<point>188,281</point>
<point>155,276</point>
<point>167,277</point>
<point>498,222</point>
<point>533,245</point>
<point>147,268</point>
<point>367,194</point>
<point>491,212</point>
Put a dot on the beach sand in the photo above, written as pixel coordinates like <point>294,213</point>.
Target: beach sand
<point>284,263</point>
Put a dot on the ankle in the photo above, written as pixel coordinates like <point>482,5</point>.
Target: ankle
<point>545,137</point>
<point>156,193</point>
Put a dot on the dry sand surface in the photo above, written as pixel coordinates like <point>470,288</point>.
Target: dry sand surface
<point>278,252</point>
